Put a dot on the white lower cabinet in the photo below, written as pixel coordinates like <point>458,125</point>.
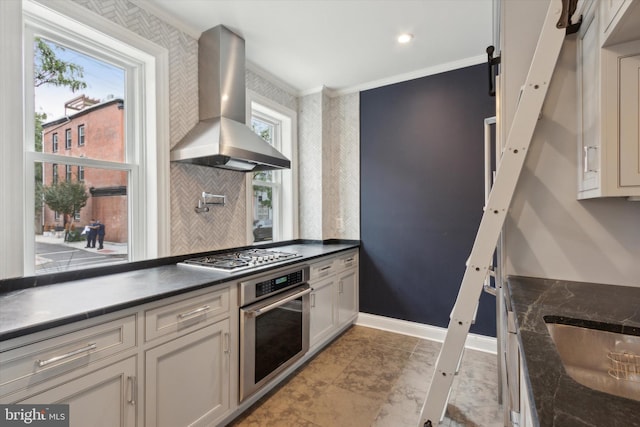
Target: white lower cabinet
<point>334,300</point>
<point>187,380</point>
<point>323,318</point>
<point>347,295</point>
<point>526,420</point>
<point>103,398</point>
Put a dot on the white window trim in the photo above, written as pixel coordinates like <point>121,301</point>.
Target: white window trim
<point>152,225</point>
<point>289,205</point>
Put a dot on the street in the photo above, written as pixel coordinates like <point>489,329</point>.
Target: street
<point>55,258</point>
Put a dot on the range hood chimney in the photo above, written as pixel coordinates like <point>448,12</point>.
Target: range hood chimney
<point>221,138</point>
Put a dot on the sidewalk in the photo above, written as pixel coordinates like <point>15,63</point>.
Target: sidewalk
<point>109,247</point>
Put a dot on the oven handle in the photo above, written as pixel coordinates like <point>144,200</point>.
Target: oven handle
<point>269,307</point>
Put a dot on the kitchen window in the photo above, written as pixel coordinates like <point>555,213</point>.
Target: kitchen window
<point>136,176</point>
<point>272,195</point>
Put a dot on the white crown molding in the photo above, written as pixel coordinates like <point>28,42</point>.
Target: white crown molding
<point>429,71</point>
<point>420,330</point>
<point>167,17</point>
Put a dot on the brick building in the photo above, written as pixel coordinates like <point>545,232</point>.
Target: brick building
<point>93,130</point>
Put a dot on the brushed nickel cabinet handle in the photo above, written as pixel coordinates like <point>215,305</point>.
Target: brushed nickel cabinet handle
<point>88,347</point>
<point>193,312</point>
<point>133,389</point>
<point>227,347</point>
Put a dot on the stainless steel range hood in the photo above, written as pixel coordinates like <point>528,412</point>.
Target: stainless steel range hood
<point>221,138</point>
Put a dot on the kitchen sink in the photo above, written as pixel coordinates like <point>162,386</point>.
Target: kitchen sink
<point>601,356</point>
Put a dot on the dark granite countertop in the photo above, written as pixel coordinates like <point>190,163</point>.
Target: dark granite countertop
<point>556,399</point>
<point>32,309</point>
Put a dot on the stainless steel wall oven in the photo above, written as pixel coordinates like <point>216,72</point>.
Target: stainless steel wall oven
<point>274,325</point>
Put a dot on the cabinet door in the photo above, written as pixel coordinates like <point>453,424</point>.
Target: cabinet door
<point>187,379</point>
<point>629,120</point>
<point>323,319</point>
<point>106,397</point>
<point>589,99</point>
<point>347,296</point>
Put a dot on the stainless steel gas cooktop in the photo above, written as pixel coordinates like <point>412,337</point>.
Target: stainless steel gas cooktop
<point>241,260</point>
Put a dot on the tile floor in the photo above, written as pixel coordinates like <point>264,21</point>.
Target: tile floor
<point>368,377</point>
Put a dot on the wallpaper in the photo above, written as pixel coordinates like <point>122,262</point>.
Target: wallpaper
<point>310,162</point>
<point>344,170</point>
<point>329,155</point>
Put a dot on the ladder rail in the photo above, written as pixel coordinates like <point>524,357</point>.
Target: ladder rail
<point>518,141</point>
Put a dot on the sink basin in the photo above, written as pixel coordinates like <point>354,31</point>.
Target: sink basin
<point>601,356</point>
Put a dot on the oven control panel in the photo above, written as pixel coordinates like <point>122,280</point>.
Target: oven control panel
<point>277,283</point>
<point>266,285</point>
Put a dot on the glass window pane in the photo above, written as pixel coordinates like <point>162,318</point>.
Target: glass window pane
<point>263,194</point>
<point>87,107</point>
<point>262,213</point>
<point>65,210</point>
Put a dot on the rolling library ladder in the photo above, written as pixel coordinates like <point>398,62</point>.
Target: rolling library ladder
<point>532,96</point>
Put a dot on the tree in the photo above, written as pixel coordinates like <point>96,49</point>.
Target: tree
<point>66,197</point>
<point>49,69</point>
<point>266,176</point>
<point>39,119</point>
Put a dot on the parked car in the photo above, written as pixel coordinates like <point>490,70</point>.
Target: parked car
<point>262,230</point>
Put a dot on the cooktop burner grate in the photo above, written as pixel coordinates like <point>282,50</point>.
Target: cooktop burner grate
<point>241,260</point>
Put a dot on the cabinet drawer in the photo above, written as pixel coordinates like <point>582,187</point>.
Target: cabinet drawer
<point>33,363</point>
<point>320,269</point>
<point>346,260</point>
<point>185,315</point>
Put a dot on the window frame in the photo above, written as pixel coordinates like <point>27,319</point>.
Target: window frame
<point>68,139</point>
<point>68,173</point>
<point>151,203</point>
<point>81,135</point>
<point>285,225</point>
<point>55,176</point>
<point>54,142</point>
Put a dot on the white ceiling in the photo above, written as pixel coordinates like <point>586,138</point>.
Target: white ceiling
<point>345,45</point>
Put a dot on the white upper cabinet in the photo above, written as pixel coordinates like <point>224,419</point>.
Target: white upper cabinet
<point>608,97</point>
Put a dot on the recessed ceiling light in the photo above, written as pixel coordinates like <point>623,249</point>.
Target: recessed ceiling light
<point>405,38</point>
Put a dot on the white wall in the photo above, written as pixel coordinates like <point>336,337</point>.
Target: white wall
<point>549,233</point>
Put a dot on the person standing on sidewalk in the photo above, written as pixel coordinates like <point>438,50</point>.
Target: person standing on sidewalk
<point>100,230</point>
<point>91,235</point>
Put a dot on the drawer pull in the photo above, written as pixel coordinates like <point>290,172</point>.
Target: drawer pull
<point>89,347</point>
<point>348,260</point>
<point>133,390</point>
<point>325,268</point>
<point>227,347</point>
<point>193,312</point>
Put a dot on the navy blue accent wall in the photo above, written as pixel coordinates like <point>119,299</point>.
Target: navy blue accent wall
<point>422,193</point>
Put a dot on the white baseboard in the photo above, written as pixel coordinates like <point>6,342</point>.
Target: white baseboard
<point>420,330</point>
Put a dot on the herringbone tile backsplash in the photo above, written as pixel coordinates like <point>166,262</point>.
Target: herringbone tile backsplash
<point>328,148</point>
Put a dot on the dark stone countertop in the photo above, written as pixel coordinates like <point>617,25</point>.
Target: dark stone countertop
<point>556,399</point>
<point>33,309</point>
